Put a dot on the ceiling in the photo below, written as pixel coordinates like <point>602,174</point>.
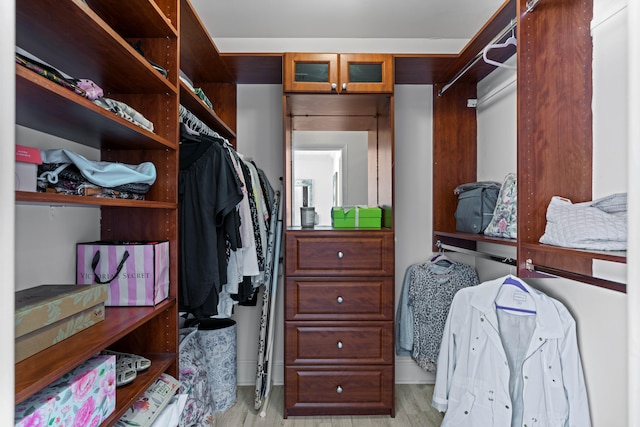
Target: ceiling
<point>400,26</point>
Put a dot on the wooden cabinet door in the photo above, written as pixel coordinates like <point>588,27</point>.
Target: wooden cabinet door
<point>338,73</point>
<point>368,73</point>
<point>310,72</point>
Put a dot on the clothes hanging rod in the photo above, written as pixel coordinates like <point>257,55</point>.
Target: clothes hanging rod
<point>500,259</point>
<point>531,5</point>
<point>478,57</point>
<point>495,92</point>
<point>579,277</point>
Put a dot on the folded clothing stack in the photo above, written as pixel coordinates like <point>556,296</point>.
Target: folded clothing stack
<point>67,172</point>
<point>83,87</point>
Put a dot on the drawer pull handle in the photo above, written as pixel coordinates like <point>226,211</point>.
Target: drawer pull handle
<point>340,300</point>
<point>339,390</point>
<point>340,254</point>
<point>339,344</point>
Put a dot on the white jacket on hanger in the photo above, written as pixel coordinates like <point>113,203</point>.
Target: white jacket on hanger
<point>473,372</point>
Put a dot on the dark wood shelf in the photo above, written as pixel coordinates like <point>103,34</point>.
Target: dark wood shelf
<point>612,256</point>
<point>196,48</point>
<point>127,395</point>
<point>144,18</point>
<point>457,236</point>
<point>42,368</point>
<point>546,260</point>
<point>50,108</point>
<point>70,200</point>
<point>80,44</point>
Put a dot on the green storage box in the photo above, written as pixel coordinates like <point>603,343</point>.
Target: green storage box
<point>356,217</point>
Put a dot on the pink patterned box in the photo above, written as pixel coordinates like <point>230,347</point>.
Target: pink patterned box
<point>84,397</point>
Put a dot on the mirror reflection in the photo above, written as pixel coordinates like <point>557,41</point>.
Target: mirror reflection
<point>329,169</point>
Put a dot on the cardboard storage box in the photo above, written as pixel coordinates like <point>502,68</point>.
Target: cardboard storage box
<point>356,217</point>
<point>136,273</point>
<point>27,161</point>
<point>85,396</point>
<point>48,314</point>
<point>36,341</point>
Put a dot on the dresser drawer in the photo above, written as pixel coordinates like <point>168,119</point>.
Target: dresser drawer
<point>334,253</point>
<point>339,343</point>
<point>348,298</point>
<point>330,391</point>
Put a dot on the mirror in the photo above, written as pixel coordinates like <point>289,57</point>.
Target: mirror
<point>330,168</point>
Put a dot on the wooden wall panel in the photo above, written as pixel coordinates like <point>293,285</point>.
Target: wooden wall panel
<point>554,114</point>
<point>454,150</point>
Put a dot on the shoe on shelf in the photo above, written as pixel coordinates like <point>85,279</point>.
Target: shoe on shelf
<point>125,373</point>
<point>138,363</point>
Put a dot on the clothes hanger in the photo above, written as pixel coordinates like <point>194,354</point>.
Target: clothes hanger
<point>523,299</point>
<point>440,259</point>
<point>510,41</point>
<point>511,281</point>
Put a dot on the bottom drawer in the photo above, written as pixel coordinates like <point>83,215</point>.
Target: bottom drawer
<point>331,390</point>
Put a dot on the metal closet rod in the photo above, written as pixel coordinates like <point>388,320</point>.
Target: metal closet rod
<point>500,259</point>
<point>540,270</point>
<point>531,4</point>
<point>478,57</point>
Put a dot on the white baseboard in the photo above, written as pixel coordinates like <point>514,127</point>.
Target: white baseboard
<point>247,373</point>
<point>408,372</point>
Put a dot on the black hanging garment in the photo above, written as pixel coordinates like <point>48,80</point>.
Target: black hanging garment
<point>208,191</point>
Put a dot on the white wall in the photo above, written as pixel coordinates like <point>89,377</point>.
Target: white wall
<point>260,137</point>
<point>7,215</point>
<point>633,253</point>
<point>62,226</point>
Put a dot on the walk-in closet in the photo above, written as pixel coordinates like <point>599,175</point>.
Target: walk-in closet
<point>195,167</point>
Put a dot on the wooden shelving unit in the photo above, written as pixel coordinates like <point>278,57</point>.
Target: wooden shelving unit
<point>95,40</point>
<point>552,128</point>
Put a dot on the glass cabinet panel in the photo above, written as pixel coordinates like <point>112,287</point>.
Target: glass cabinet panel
<point>365,73</point>
<point>311,72</point>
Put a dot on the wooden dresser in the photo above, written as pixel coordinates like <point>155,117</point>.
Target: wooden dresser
<point>339,283</point>
<point>339,348</point>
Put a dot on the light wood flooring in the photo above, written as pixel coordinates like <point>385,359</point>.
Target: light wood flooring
<point>413,409</point>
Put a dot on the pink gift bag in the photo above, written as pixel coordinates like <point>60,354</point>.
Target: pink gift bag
<point>137,272</point>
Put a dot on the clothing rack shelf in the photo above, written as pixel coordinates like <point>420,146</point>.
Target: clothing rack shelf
<point>194,104</point>
<point>477,254</point>
<point>543,271</point>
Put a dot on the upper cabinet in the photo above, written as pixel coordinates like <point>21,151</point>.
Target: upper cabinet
<point>339,73</point>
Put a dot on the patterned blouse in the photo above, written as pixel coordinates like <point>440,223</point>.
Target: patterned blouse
<point>431,290</point>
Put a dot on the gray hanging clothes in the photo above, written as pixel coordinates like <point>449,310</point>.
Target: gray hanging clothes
<point>432,287</point>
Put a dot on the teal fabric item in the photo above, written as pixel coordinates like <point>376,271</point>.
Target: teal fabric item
<point>104,174</point>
